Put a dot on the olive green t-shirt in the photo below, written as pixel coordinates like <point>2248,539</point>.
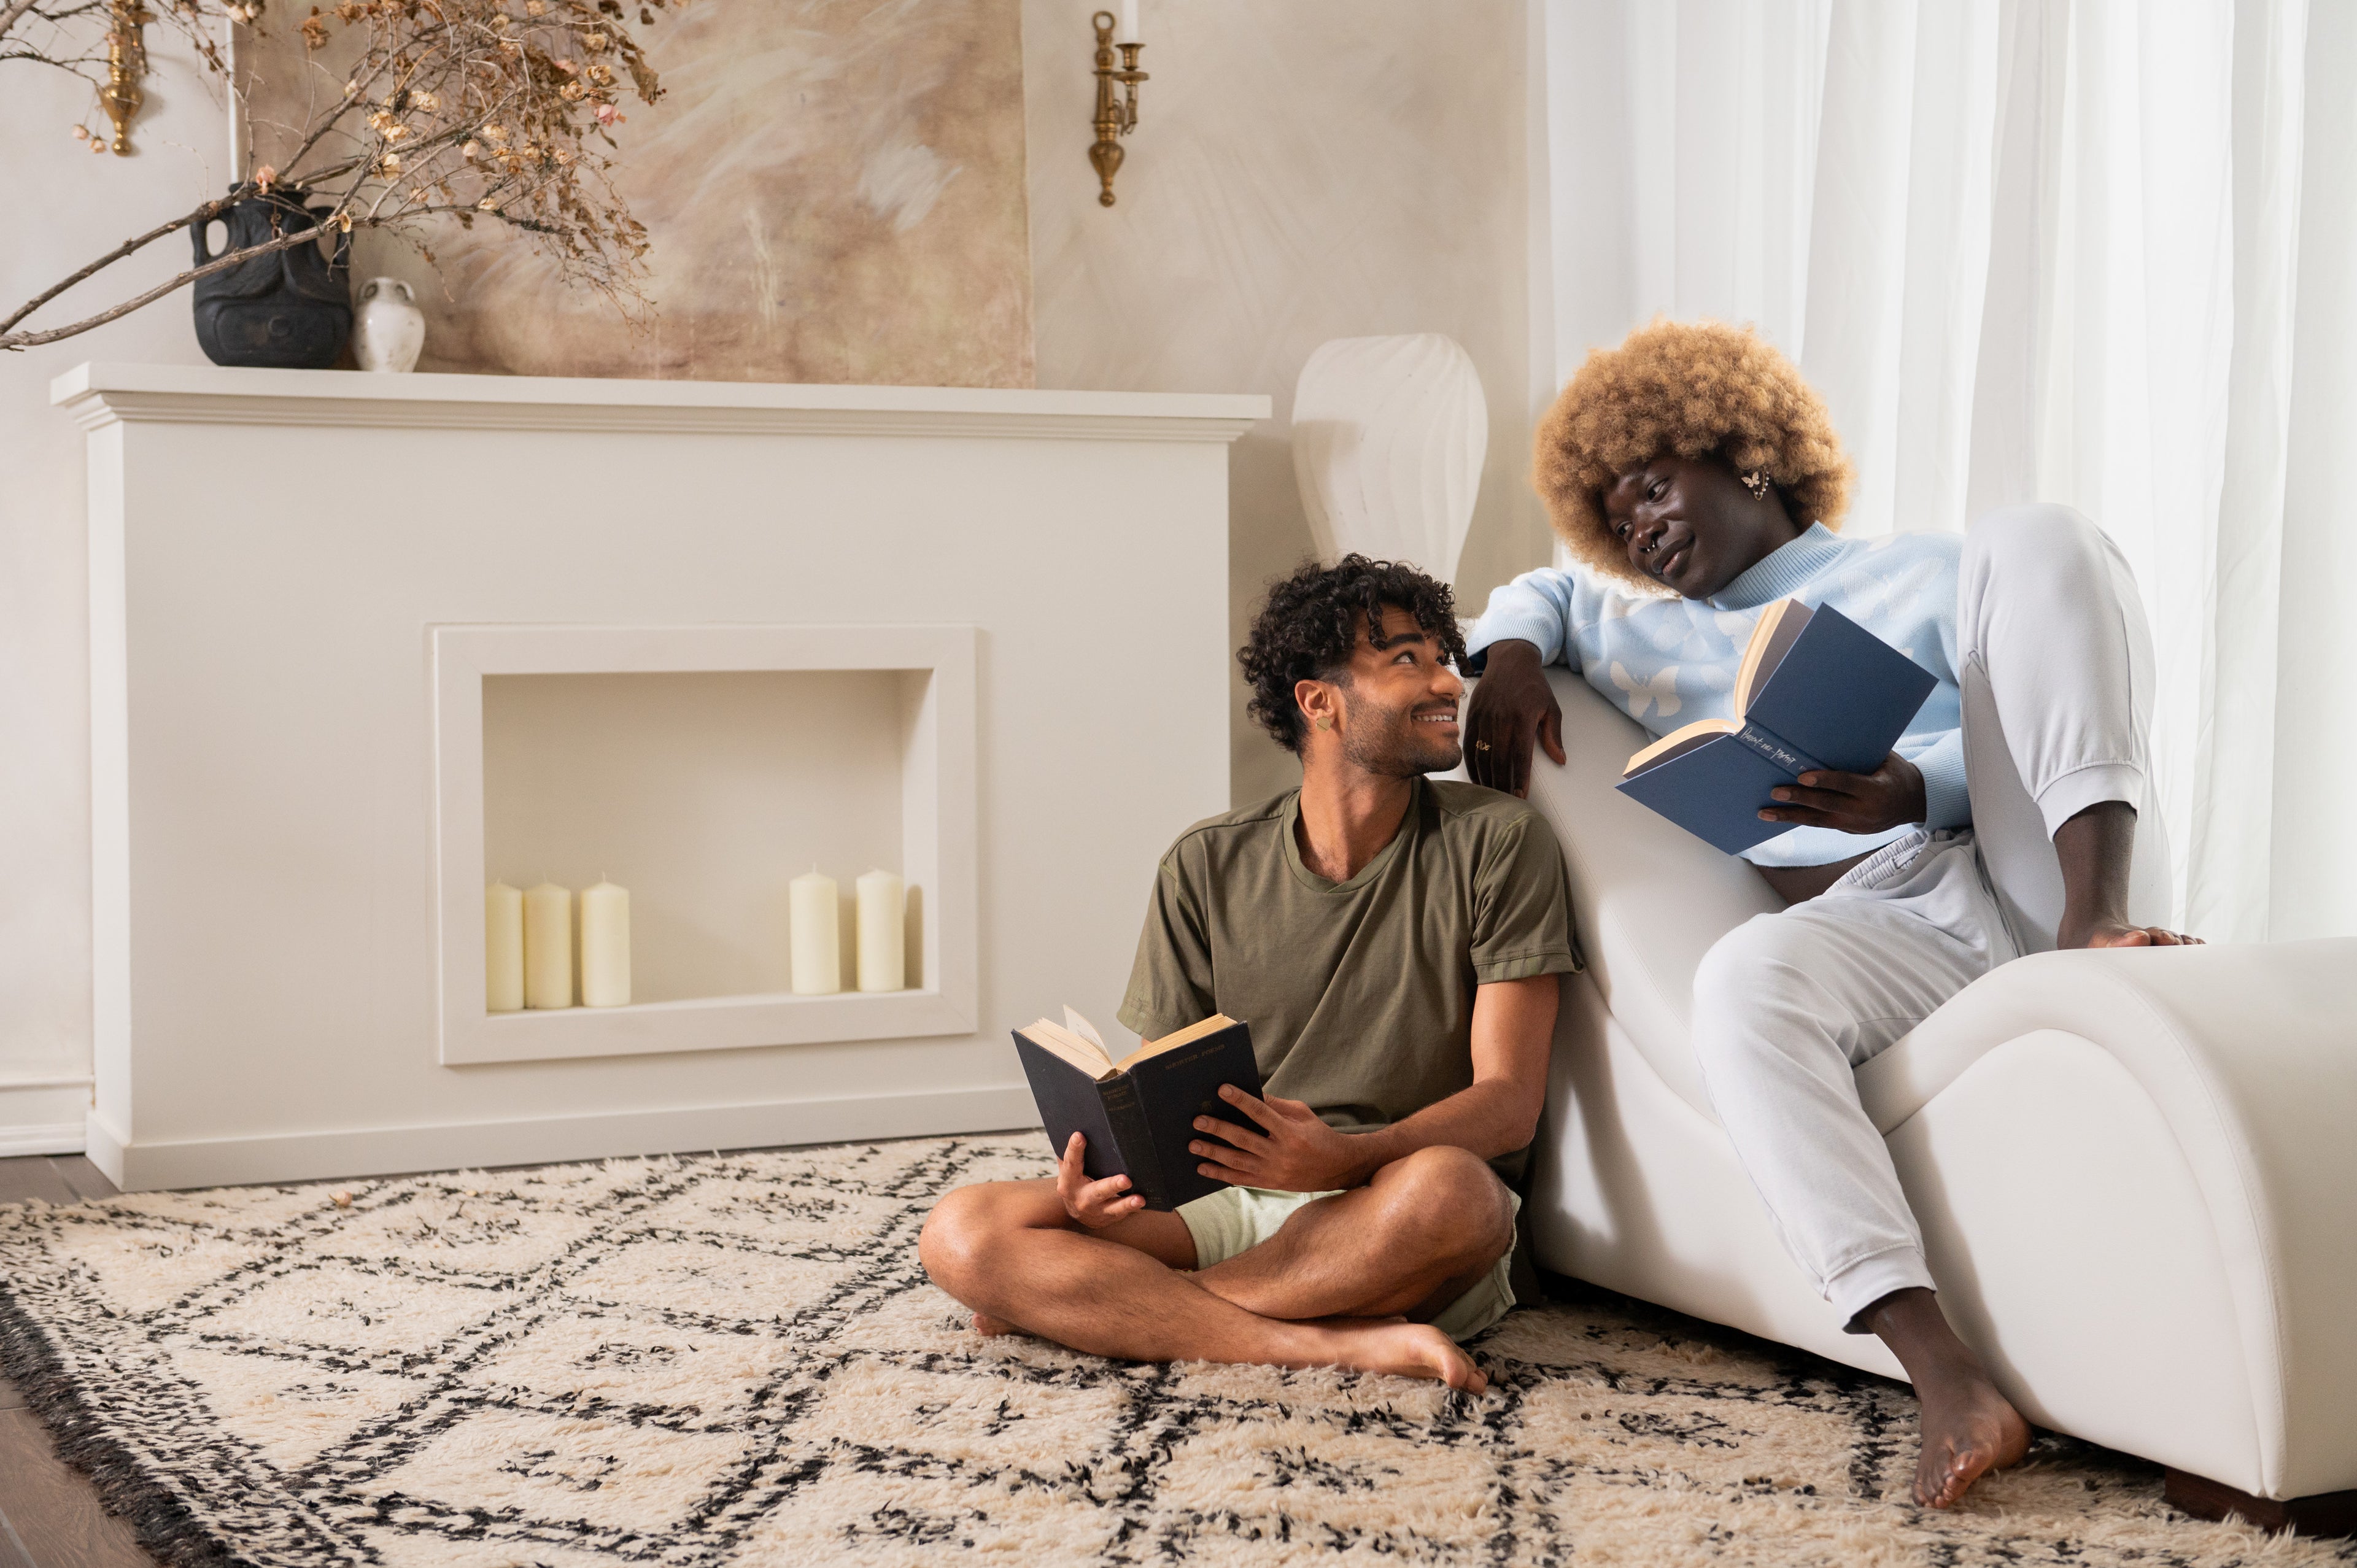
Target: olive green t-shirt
<point>1360,994</point>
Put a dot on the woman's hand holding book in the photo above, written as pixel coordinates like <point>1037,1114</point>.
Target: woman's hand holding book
<point>1889,796</point>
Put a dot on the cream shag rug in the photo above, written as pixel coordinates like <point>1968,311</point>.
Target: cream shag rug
<point>737,1360</point>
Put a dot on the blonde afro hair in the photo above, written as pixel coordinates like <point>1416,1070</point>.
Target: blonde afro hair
<point>1692,388</point>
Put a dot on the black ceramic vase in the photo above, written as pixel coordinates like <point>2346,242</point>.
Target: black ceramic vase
<point>289,310</point>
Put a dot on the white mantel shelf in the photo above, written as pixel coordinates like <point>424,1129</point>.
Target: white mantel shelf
<point>101,394</point>
<point>976,635</point>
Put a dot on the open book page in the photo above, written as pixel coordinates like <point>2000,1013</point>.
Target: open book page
<point>1779,626</point>
<point>1086,1030</point>
<point>1678,742</point>
<point>1089,1055</point>
<point>1077,1041</point>
<point>1188,1036</point>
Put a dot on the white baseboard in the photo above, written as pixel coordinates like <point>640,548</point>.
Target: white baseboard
<point>42,1117</point>
<point>41,1138</point>
<point>388,1151</point>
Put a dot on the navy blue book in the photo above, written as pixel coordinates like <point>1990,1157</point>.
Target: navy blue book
<point>1818,691</point>
<point>1138,1115</point>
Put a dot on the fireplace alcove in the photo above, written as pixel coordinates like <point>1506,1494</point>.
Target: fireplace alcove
<point>702,768</point>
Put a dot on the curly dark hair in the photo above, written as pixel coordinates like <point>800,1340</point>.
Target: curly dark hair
<point>1692,388</point>
<point>1311,622</point>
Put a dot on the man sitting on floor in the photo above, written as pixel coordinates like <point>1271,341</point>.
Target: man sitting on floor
<point>1697,478</point>
<point>1394,943</point>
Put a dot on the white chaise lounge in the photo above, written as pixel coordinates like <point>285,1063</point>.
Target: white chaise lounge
<point>2136,1171</point>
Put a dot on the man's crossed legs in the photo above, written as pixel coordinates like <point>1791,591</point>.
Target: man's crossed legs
<point>1351,1279</point>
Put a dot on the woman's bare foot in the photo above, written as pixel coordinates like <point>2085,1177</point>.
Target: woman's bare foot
<point>1396,1346</point>
<point>990,1327</point>
<point>2096,848</point>
<point>2116,935</point>
<point>1969,1428</point>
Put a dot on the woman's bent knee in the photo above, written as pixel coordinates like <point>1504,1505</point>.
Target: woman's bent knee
<point>2053,550</point>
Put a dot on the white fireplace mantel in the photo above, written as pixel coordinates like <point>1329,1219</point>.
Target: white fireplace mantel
<point>101,394</point>
<point>976,635</point>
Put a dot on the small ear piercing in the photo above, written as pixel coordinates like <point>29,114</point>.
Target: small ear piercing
<point>1323,723</point>
<point>1756,482</point>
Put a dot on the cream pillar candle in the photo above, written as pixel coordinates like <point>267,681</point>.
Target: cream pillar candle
<point>816,935</point>
<point>882,965</point>
<point>502,949</point>
<point>605,946</point>
<point>548,947</point>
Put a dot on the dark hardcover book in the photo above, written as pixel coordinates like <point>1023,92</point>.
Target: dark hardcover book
<point>1138,1115</point>
<point>1816,690</point>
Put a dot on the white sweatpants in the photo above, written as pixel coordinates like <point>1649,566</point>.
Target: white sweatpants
<point>2055,667</point>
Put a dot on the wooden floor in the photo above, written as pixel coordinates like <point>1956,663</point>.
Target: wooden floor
<point>50,1516</point>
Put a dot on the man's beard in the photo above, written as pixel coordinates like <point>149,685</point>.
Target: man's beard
<point>1390,743</point>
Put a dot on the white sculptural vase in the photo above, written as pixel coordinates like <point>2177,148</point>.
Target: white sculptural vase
<point>1388,438</point>
<point>388,329</point>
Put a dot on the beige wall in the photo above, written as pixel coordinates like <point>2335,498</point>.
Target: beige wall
<point>1315,170</point>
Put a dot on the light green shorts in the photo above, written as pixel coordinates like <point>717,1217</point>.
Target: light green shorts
<point>1237,1219</point>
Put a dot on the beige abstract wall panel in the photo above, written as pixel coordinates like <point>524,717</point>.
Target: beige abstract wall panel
<point>834,190</point>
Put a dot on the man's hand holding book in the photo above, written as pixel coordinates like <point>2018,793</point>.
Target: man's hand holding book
<point>1285,1148</point>
<point>1095,1204</point>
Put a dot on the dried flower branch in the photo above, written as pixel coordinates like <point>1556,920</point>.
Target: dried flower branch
<point>498,110</point>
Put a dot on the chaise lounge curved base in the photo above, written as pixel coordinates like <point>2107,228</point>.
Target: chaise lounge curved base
<point>2136,1170</point>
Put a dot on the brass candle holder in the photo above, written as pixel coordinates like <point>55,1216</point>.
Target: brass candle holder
<point>126,62</point>
<point>1116,114</point>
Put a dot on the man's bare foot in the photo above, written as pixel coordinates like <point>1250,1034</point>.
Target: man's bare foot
<point>990,1327</point>
<point>1402,1348</point>
<point>1969,1429</point>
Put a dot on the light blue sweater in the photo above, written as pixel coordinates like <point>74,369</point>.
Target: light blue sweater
<point>1667,661</point>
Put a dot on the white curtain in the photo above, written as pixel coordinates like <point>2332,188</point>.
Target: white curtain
<point>2096,251</point>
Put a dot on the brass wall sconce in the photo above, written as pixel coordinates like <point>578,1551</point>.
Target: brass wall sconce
<point>1116,116</point>
<point>126,62</point>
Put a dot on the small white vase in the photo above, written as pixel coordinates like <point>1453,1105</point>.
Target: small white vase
<point>388,329</point>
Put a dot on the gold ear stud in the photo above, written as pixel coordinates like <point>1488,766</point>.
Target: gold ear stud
<point>1757,482</point>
